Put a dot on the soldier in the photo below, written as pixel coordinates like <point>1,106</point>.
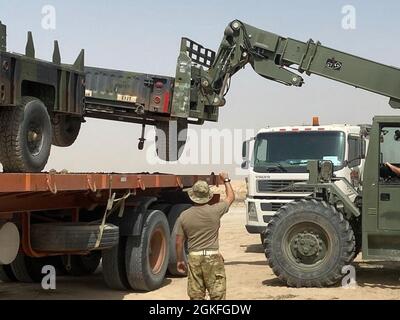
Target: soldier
<point>200,227</point>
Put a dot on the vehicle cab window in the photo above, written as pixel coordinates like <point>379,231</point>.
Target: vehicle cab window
<point>389,153</point>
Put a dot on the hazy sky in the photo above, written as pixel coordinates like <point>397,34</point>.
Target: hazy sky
<point>144,36</point>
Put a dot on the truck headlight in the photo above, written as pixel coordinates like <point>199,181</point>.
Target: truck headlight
<point>252,211</point>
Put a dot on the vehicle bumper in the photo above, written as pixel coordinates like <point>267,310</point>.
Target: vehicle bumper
<point>255,229</point>
<point>265,210</point>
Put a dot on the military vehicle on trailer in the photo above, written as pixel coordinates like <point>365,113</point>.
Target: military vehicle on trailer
<point>72,221</point>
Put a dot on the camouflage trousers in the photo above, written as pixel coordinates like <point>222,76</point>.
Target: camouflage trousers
<point>206,273</point>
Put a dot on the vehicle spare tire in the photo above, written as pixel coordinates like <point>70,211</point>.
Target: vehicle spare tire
<point>173,216</point>
<point>60,237</point>
<point>307,243</point>
<point>25,136</point>
<point>147,256</point>
<point>66,129</point>
<point>171,139</point>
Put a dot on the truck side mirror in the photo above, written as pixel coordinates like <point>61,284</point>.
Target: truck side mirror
<point>356,146</point>
<point>363,148</point>
<point>245,150</point>
<point>246,154</point>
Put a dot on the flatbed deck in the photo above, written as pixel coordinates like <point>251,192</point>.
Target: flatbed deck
<point>22,192</point>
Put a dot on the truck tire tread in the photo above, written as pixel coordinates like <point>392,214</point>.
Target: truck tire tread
<point>114,271</point>
<point>139,275</point>
<point>11,155</point>
<point>281,267</point>
<point>72,236</point>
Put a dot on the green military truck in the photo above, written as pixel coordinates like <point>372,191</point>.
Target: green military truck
<point>44,103</point>
<point>310,242</point>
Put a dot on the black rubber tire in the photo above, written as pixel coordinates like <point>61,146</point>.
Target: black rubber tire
<point>138,266</point>
<point>341,243</point>
<point>356,226</point>
<point>57,263</point>
<point>262,238</point>
<point>173,216</point>
<point>65,130</point>
<point>114,266</point>
<point>6,274</point>
<point>79,266</point>
<point>58,237</point>
<point>27,269</point>
<point>15,122</point>
<point>171,139</point>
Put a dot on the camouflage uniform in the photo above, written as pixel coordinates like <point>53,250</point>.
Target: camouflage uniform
<point>206,273</point>
<point>199,225</point>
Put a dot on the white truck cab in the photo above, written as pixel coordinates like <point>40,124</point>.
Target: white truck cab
<point>279,159</point>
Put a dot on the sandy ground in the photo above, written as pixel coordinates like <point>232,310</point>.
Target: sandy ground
<point>249,277</point>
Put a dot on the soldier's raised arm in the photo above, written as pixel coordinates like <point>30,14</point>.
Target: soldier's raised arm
<point>230,194</point>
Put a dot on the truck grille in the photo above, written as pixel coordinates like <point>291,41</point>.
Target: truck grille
<point>285,186</point>
<point>272,206</point>
<point>277,206</point>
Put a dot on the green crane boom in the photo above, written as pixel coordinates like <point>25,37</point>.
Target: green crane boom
<point>272,56</point>
<point>302,250</point>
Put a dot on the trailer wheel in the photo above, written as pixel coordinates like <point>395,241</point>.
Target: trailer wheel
<point>114,269</point>
<point>79,266</point>
<point>173,216</point>
<point>65,130</point>
<point>308,243</point>
<point>6,274</point>
<point>147,255</point>
<point>27,269</point>
<point>59,237</point>
<point>25,137</point>
<point>171,139</point>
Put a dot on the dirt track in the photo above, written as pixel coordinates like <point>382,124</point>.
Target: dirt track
<point>249,277</point>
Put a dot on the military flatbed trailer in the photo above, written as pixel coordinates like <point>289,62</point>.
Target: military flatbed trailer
<point>72,221</point>
<point>44,103</point>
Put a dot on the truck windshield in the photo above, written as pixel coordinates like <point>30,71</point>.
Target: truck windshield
<point>291,151</point>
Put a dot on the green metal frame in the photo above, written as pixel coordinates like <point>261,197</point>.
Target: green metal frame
<point>60,86</point>
<point>271,55</point>
<point>379,242</point>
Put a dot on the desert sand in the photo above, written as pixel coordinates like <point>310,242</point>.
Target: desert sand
<point>249,277</point>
